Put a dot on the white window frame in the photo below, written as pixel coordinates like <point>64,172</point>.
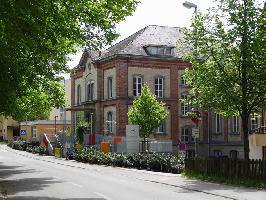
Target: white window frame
<point>137,85</point>
<point>184,106</point>
<point>159,87</point>
<point>110,87</point>
<point>109,118</point>
<point>183,81</point>
<point>186,136</point>
<point>161,129</point>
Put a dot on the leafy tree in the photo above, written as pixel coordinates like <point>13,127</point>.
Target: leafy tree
<point>228,58</point>
<point>81,129</point>
<point>147,112</point>
<point>37,35</point>
<point>36,104</point>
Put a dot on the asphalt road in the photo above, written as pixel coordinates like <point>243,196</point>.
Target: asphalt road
<point>25,176</point>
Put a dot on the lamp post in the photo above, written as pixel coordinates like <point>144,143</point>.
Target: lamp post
<point>91,114</point>
<point>189,5</point>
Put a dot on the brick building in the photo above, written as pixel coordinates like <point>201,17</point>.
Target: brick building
<point>105,83</point>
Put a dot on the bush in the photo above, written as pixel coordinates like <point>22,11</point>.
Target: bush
<point>163,162</point>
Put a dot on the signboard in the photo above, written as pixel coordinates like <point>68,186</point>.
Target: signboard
<point>23,132</point>
<point>132,138</point>
<point>195,132</point>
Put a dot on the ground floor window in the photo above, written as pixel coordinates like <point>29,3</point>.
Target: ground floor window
<point>233,154</point>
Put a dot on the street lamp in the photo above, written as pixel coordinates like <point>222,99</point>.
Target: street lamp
<point>91,122</point>
<point>189,5</point>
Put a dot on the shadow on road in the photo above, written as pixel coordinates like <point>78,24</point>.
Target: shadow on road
<point>10,187</point>
<point>26,184</point>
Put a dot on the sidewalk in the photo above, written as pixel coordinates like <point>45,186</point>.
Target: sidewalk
<point>175,180</point>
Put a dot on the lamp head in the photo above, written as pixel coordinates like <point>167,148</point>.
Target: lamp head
<point>189,5</point>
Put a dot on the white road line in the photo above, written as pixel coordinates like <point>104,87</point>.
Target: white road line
<point>102,195</point>
<point>75,184</point>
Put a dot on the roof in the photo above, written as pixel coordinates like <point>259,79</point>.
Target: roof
<point>152,35</point>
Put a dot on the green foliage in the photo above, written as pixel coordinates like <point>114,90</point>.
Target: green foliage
<point>81,129</point>
<point>36,104</point>
<point>37,35</point>
<point>29,146</point>
<point>147,112</point>
<point>154,161</point>
<point>247,182</point>
<point>227,52</point>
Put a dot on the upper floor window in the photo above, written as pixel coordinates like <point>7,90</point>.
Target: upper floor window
<point>235,125</point>
<point>218,123</point>
<point>137,85</point>
<point>183,81</point>
<point>159,87</point>
<point>78,94</point>
<point>90,88</point>
<point>109,122</point>
<point>160,50</point>
<point>184,105</point>
<point>110,87</point>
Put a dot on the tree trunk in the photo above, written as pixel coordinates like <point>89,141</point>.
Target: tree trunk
<point>245,129</point>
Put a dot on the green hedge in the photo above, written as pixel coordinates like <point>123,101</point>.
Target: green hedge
<point>163,162</point>
<point>29,146</point>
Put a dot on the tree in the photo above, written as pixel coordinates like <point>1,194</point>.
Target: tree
<point>37,35</point>
<point>147,112</point>
<point>227,52</point>
<point>36,104</point>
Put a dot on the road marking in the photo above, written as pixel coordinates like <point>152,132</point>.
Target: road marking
<point>102,195</point>
<point>75,184</point>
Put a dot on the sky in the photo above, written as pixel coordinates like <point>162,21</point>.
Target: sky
<point>154,12</point>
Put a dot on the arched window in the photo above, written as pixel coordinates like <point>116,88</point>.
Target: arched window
<point>183,80</point>
<point>78,95</point>
<point>90,87</point>
<point>109,122</point>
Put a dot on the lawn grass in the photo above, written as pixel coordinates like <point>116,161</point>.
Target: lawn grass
<point>3,142</point>
<point>225,180</point>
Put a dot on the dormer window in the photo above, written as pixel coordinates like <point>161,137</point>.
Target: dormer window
<point>159,50</point>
